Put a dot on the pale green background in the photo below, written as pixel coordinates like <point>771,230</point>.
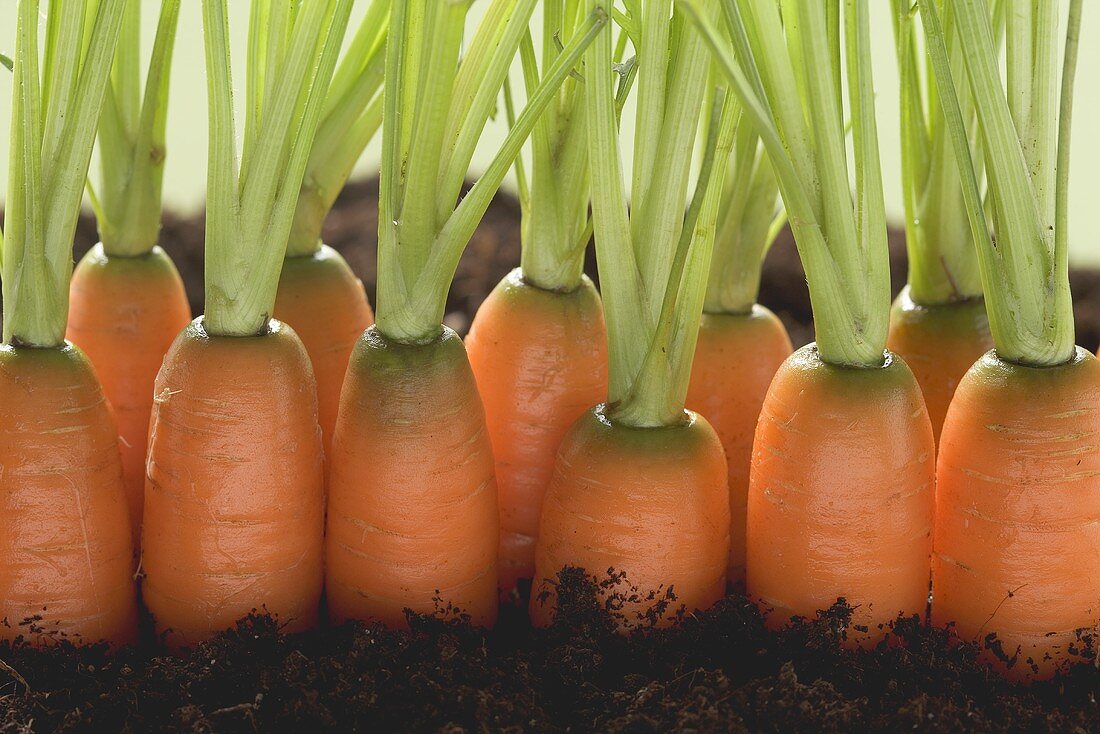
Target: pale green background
<point>186,167</point>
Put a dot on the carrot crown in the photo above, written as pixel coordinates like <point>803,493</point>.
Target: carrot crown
<point>748,223</point>
<point>292,53</point>
<point>434,111</point>
<point>350,119</point>
<point>131,137</point>
<point>55,105</point>
<point>653,259</point>
<point>556,227</point>
<point>787,71</point>
<point>943,259</point>
<point>1025,129</point>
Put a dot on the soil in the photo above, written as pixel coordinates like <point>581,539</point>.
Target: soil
<point>718,671</point>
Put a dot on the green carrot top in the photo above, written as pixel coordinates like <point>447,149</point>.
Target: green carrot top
<point>350,119</point>
<point>1025,131</point>
<point>292,52</point>
<point>55,104</point>
<point>556,227</point>
<point>653,259</point>
<point>943,258</point>
<point>784,61</point>
<point>748,222</point>
<point>131,135</point>
<point>436,104</point>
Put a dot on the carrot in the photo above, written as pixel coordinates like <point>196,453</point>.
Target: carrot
<point>841,494</point>
<point>741,344</point>
<point>125,313</point>
<point>234,495</point>
<point>413,520</point>
<point>127,302</point>
<point>540,359</point>
<point>735,360</point>
<point>614,486</point>
<point>938,323</point>
<point>233,414</point>
<point>538,344</point>
<point>1017,536</point>
<point>67,556</point>
<point>939,343</point>
<point>382,557</point>
<point>325,304</point>
<point>1017,539</point>
<point>639,486</point>
<point>841,484</point>
<point>319,296</point>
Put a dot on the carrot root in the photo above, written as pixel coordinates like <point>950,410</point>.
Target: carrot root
<point>540,360</point>
<point>736,357</point>
<point>124,314</point>
<point>234,498</point>
<point>939,343</point>
<point>650,503</point>
<point>66,553</point>
<point>322,300</point>
<point>841,494</point>
<point>1017,538</point>
<point>413,519</point>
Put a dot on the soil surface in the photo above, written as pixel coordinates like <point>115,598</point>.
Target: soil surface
<point>719,671</point>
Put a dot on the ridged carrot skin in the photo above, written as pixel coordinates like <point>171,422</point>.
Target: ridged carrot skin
<point>652,503</point>
<point>841,494</point>
<point>234,499</point>
<point>124,314</point>
<point>1017,539</point>
<point>66,553</point>
<point>939,343</point>
<point>412,518</point>
<point>736,357</point>
<point>540,360</point>
<point>322,300</point>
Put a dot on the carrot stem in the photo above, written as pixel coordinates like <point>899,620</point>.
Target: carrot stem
<point>53,129</point>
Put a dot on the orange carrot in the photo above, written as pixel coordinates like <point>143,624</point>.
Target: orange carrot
<point>322,300</point>
<point>412,520</point>
<point>1017,538</point>
<point>1017,542</point>
<point>736,357</point>
<point>647,502</point>
<point>939,343</point>
<point>124,313</point>
<point>841,494</point>
<point>65,549</point>
<point>234,501</point>
<point>639,485</point>
<point>540,359</point>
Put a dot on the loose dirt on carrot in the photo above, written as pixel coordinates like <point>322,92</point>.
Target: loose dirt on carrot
<point>718,671</point>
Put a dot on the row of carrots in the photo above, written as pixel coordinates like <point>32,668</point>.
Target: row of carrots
<point>283,446</point>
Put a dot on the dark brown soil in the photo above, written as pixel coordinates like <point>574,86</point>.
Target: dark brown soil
<point>718,671</point>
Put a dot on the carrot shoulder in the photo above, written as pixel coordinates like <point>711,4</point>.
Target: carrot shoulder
<point>234,499</point>
<point>540,360</point>
<point>322,300</point>
<point>124,313</point>
<point>650,503</point>
<point>939,343</point>
<point>412,519</point>
<point>736,357</point>
<point>841,494</point>
<point>65,547</point>
<point>1017,542</point>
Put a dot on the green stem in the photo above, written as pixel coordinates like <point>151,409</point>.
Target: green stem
<point>1023,268</point>
<point>52,134</point>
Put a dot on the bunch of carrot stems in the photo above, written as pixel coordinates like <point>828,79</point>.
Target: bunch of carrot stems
<point>283,447</point>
